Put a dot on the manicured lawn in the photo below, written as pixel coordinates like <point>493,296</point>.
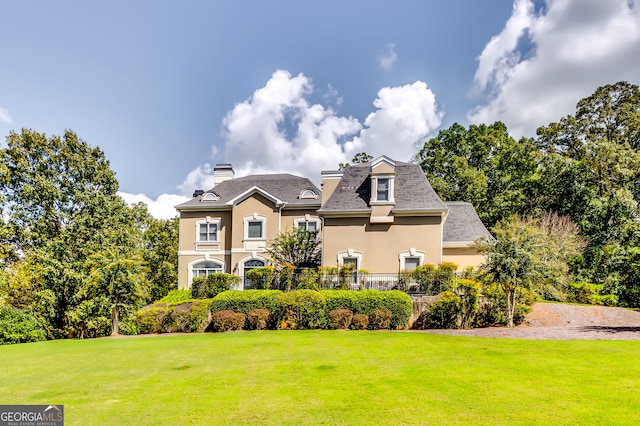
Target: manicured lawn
<point>326,377</point>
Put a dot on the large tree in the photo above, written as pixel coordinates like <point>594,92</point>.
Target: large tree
<point>482,165</point>
<point>592,173</point>
<point>60,207</point>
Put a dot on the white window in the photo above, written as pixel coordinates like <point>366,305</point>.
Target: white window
<point>350,257</point>
<point>307,223</point>
<point>308,194</point>
<point>208,232</point>
<point>382,189</point>
<point>411,259</point>
<point>204,268</point>
<point>255,227</point>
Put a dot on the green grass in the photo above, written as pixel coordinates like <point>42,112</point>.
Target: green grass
<point>326,377</point>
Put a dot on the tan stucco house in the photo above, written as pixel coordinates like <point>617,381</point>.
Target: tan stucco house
<point>382,216</point>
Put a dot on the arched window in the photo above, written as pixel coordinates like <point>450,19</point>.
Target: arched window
<point>205,267</point>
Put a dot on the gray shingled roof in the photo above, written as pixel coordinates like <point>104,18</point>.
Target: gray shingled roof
<point>463,223</point>
<point>285,187</point>
<point>412,190</point>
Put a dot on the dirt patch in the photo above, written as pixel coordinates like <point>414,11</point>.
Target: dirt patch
<point>553,321</point>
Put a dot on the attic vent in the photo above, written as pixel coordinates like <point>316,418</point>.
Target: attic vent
<point>210,196</point>
<point>308,194</point>
<point>197,193</point>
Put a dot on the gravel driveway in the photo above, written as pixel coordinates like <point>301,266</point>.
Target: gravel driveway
<point>549,321</point>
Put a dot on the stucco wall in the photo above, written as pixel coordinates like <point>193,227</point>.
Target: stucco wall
<point>463,257</point>
<point>381,244</point>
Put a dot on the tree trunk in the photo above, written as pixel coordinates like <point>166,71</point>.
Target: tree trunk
<point>114,321</point>
<point>511,299</point>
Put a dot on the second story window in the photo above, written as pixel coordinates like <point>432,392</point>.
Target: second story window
<point>308,225</point>
<point>207,232</point>
<point>255,229</point>
<point>382,188</point>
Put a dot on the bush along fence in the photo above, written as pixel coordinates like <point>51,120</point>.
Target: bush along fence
<point>426,279</point>
<point>277,310</point>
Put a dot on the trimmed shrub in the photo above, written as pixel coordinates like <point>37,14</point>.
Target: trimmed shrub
<point>341,299</point>
<point>360,322</point>
<point>258,319</point>
<point>214,284</point>
<point>191,316</point>
<point>469,292</point>
<point>445,313</point>
<point>227,320</point>
<point>18,326</point>
<point>305,309</point>
<point>380,319</point>
<point>341,318</point>
<point>246,300</point>
<point>365,301</point>
<point>176,296</point>
<point>150,318</point>
<point>262,278</point>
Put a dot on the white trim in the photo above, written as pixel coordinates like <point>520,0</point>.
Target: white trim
<point>253,190</point>
<point>390,190</point>
<point>209,221</point>
<point>255,217</point>
<point>411,253</point>
<point>210,196</point>
<point>307,219</point>
<point>190,266</point>
<point>350,254</point>
<point>203,252</point>
<point>383,159</point>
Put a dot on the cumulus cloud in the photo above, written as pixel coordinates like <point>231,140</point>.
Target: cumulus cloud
<point>278,130</point>
<point>162,207</point>
<point>386,61</point>
<point>405,116</point>
<point>544,61</point>
<point>199,178</point>
<point>5,116</point>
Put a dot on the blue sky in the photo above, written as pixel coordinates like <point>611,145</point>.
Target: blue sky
<point>167,88</point>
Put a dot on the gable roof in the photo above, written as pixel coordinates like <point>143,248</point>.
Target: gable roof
<point>463,224</point>
<point>412,191</point>
<point>283,189</point>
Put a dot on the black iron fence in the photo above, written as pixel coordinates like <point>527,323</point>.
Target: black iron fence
<point>432,284</point>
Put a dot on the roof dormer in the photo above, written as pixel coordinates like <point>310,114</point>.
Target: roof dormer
<point>383,173</point>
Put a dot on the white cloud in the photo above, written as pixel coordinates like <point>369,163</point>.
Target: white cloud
<point>4,116</point>
<point>386,61</point>
<point>199,178</point>
<point>576,46</point>
<point>278,130</point>
<point>405,116</point>
<point>162,207</point>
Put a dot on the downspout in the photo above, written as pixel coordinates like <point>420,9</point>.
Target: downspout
<point>322,243</point>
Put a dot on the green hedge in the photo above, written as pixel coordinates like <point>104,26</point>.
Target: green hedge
<point>17,326</point>
<point>212,285</point>
<point>301,309</point>
<point>190,316</point>
<point>176,296</point>
<point>366,301</point>
<point>245,300</point>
